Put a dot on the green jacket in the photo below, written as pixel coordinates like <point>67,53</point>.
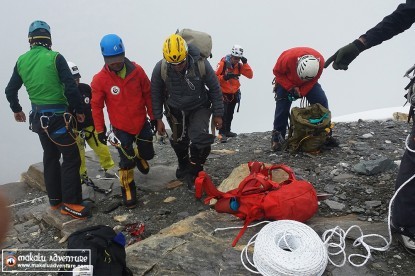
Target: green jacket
<point>39,74</point>
<point>47,78</point>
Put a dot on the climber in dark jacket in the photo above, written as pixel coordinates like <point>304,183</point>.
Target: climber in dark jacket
<point>403,208</point>
<point>189,98</point>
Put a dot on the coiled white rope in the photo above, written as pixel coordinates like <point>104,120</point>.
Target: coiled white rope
<point>286,247</point>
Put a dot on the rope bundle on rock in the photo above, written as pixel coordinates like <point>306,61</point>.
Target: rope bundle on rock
<point>287,247</point>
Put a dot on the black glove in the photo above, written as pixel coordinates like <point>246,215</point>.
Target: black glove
<point>293,95</point>
<point>244,60</point>
<point>153,124</point>
<point>230,76</point>
<point>345,55</point>
<point>102,137</point>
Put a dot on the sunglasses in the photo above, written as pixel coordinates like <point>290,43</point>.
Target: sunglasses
<point>178,63</point>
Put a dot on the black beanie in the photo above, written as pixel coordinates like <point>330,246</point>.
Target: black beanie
<point>40,37</point>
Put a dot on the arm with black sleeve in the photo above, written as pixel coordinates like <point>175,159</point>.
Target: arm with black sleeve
<point>12,89</point>
<point>157,92</point>
<point>158,97</point>
<point>395,23</point>
<point>214,94</point>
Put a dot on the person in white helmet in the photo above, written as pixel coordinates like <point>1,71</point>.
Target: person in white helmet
<point>88,134</point>
<point>228,70</point>
<point>296,71</point>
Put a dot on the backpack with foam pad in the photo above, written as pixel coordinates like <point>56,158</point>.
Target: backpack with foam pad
<point>108,255</point>
<point>309,128</point>
<point>258,197</point>
<point>202,40</point>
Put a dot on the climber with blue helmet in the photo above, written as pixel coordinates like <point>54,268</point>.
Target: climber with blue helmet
<point>51,88</point>
<point>39,34</point>
<point>124,88</point>
<point>113,51</point>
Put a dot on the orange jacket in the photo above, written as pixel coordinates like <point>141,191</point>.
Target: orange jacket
<point>128,100</point>
<point>285,70</point>
<point>231,86</point>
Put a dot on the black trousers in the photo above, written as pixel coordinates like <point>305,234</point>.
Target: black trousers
<point>62,181</point>
<point>229,103</point>
<point>195,134</point>
<point>144,142</point>
<point>403,209</point>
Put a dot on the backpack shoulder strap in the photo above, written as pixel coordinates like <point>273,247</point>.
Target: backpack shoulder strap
<point>224,66</point>
<point>204,183</point>
<point>163,71</point>
<point>202,67</point>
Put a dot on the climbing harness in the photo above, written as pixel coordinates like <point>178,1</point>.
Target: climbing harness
<point>70,124</point>
<point>114,141</point>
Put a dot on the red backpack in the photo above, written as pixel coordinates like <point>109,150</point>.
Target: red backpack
<point>258,197</point>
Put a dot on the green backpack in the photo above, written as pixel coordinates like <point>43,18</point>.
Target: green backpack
<point>309,128</point>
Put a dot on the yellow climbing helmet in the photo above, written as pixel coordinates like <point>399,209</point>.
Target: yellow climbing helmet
<point>175,49</point>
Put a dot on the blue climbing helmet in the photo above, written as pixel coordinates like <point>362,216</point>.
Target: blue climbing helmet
<point>39,26</point>
<point>39,34</point>
<point>111,45</point>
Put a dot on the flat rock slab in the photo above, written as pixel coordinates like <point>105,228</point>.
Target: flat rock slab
<point>156,180</point>
<point>192,247</point>
<point>17,191</point>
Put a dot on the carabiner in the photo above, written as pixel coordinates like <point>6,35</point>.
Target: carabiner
<point>67,117</point>
<point>113,139</point>
<point>44,121</point>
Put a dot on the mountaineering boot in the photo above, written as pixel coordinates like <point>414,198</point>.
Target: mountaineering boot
<point>182,168</point>
<point>56,206</point>
<point>128,188</point>
<point>142,165</point>
<point>77,211</point>
<point>331,142</point>
<point>192,172</point>
<point>231,134</point>
<point>222,138</point>
<point>405,238</point>
<point>182,153</point>
<point>277,141</point>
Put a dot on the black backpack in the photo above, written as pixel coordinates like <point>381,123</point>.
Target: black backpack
<point>108,257</point>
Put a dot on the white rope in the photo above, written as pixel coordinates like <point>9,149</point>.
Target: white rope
<point>289,247</point>
<point>286,247</point>
<point>27,201</point>
<point>341,235</point>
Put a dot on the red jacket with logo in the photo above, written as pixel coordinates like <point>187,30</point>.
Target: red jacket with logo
<point>285,70</point>
<point>128,100</point>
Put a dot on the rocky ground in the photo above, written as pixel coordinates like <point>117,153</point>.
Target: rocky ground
<point>373,148</point>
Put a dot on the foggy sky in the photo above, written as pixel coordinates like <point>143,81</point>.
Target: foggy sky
<point>263,28</point>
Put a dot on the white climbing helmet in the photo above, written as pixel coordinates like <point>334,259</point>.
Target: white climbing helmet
<point>237,51</point>
<point>74,70</point>
<point>307,67</point>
